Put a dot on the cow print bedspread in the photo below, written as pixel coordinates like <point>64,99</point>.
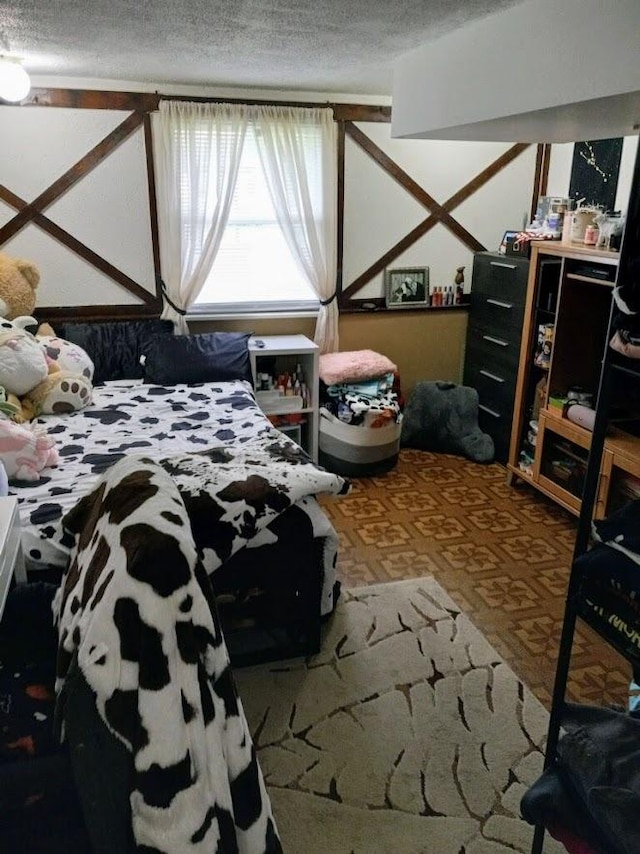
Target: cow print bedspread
<point>136,612</point>
<point>219,421</point>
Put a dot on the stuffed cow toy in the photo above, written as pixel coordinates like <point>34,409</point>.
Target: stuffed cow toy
<point>25,449</point>
<point>29,371</point>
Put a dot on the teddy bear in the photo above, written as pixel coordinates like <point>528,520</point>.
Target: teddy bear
<point>55,379</point>
<point>18,282</point>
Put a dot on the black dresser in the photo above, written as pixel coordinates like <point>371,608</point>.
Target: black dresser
<point>498,291</point>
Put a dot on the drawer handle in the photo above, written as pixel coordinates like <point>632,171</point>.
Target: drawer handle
<point>502,264</point>
<point>491,376</point>
<point>498,341</point>
<point>489,411</point>
<point>500,304</point>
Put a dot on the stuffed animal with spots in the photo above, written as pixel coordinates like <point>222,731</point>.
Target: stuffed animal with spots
<point>35,378</point>
<point>59,393</point>
<point>67,355</point>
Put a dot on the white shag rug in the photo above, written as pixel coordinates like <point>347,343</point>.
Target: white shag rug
<point>407,733</point>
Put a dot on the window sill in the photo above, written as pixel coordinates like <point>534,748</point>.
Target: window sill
<point>249,315</point>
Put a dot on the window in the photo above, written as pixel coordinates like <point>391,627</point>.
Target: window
<point>254,269</point>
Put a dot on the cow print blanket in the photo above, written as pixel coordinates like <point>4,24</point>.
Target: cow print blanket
<point>234,442</point>
<point>136,613</point>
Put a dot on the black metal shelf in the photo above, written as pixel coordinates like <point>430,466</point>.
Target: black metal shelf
<point>608,634</point>
<point>614,365</point>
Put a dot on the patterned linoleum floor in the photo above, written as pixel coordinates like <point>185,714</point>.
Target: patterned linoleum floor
<point>503,554</point>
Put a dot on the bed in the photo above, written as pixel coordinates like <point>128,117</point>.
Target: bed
<point>250,491</point>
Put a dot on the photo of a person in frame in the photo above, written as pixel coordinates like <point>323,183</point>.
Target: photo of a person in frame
<point>410,289</point>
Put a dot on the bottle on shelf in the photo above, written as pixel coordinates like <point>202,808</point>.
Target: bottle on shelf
<point>591,235</point>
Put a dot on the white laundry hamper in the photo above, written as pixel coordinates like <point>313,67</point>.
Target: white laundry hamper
<point>357,451</point>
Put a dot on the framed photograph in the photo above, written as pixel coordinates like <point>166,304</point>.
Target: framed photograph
<point>508,237</point>
<point>407,288</point>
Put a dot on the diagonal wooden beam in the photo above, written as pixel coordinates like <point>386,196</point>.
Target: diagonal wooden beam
<point>71,176</point>
<point>486,175</point>
<point>80,249</point>
<point>391,167</point>
<point>384,260</point>
<point>418,192</point>
<point>441,214</point>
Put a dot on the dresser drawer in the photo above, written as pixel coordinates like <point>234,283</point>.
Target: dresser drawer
<point>498,276</point>
<point>495,389</point>
<point>498,426</point>
<point>498,315</point>
<point>493,350</point>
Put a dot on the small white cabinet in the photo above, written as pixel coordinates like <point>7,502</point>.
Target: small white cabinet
<point>273,356</point>
<point>11,559</point>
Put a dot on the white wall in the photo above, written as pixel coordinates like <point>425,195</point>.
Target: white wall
<point>108,210</point>
<point>378,211</point>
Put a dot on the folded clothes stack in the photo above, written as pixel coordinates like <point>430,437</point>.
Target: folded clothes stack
<point>360,388</point>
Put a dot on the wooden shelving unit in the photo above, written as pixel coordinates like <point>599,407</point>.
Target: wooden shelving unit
<point>570,288</point>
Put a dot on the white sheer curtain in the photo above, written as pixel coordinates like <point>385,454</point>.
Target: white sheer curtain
<point>308,220</point>
<point>197,149</point>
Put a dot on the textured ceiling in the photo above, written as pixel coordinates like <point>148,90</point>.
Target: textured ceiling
<point>346,46</point>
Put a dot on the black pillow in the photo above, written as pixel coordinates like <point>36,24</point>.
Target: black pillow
<point>208,357</point>
<point>115,348</point>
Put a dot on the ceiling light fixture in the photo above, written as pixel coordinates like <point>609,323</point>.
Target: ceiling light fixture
<point>14,80</point>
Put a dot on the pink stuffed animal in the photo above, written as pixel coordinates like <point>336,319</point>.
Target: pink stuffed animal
<point>25,450</point>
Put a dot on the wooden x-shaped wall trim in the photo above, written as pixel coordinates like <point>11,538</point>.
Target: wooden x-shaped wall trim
<point>143,104</point>
<point>439,213</point>
<point>33,211</point>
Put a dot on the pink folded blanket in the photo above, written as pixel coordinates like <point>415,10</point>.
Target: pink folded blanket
<point>353,366</point>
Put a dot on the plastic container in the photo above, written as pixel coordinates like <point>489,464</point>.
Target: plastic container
<point>580,219</point>
<point>273,402</point>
